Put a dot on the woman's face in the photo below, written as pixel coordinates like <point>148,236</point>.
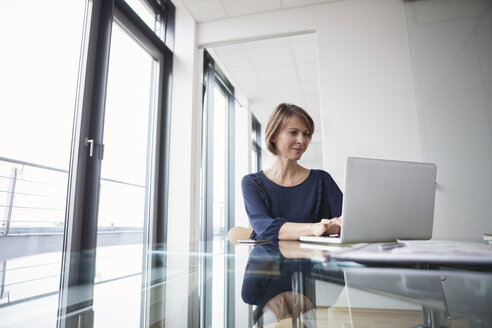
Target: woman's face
<point>293,139</point>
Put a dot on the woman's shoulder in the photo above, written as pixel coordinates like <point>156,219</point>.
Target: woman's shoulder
<point>252,179</point>
<point>252,176</point>
<point>251,184</point>
<point>321,173</point>
<point>324,177</point>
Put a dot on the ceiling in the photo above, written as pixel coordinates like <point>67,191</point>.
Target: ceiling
<point>209,10</point>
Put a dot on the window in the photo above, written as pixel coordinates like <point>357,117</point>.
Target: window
<point>71,178</point>
<point>255,144</point>
<point>217,153</point>
<point>124,181</point>
<point>217,194</point>
<point>38,83</point>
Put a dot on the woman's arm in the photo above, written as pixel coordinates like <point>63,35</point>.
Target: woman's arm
<point>264,226</point>
<point>292,230</point>
<point>332,197</point>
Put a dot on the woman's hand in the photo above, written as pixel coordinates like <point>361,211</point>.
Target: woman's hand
<point>293,230</point>
<point>327,227</point>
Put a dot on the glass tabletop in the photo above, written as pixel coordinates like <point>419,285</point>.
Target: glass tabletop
<point>217,284</point>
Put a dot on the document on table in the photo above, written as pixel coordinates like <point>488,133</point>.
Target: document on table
<point>420,251</point>
<point>333,247</point>
<point>253,241</point>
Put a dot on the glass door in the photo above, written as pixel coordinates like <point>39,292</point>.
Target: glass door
<point>123,205</point>
<point>118,180</point>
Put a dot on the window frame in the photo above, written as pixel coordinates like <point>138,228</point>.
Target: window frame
<point>80,233</point>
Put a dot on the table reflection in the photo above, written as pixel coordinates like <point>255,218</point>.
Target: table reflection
<point>281,290</point>
<point>218,284</point>
<point>294,287</point>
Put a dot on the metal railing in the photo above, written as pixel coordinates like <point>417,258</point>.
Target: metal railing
<point>33,197</point>
<point>45,199</point>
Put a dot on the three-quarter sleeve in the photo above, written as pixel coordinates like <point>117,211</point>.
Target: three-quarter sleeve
<point>332,197</point>
<point>255,202</point>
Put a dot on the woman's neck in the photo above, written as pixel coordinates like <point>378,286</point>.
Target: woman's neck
<point>286,172</point>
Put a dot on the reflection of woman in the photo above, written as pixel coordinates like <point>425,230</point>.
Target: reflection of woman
<point>287,200</point>
<point>268,284</point>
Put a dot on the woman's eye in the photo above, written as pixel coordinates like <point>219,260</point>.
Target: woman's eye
<point>292,133</point>
<point>306,134</point>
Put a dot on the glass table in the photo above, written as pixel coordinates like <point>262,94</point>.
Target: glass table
<point>217,284</point>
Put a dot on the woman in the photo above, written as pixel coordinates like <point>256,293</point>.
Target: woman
<point>286,200</point>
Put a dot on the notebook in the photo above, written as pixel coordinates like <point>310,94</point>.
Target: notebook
<point>385,200</point>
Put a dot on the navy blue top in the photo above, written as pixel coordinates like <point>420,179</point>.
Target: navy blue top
<point>270,205</point>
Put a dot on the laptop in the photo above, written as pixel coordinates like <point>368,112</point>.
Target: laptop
<point>385,200</point>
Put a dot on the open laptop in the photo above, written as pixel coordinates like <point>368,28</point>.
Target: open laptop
<point>385,200</point>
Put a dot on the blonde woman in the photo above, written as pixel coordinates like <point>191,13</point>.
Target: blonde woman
<point>286,200</point>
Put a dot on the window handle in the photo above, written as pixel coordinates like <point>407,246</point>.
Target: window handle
<point>90,143</point>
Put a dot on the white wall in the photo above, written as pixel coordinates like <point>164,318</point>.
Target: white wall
<point>182,176</point>
<point>313,157</point>
<point>242,160</point>
<point>367,97</point>
<point>182,218</point>
<point>366,85</point>
<point>451,44</point>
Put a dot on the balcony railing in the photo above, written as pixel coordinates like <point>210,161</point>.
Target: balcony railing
<point>32,219</point>
<point>33,199</point>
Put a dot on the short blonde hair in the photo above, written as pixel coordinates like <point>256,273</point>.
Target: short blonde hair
<point>282,113</point>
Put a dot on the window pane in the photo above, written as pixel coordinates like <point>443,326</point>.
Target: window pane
<point>219,156</point>
<point>123,182</point>
<point>219,190</point>
<point>144,12</point>
<point>38,77</point>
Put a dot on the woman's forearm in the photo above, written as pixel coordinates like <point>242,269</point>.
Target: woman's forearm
<point>292,230</point>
